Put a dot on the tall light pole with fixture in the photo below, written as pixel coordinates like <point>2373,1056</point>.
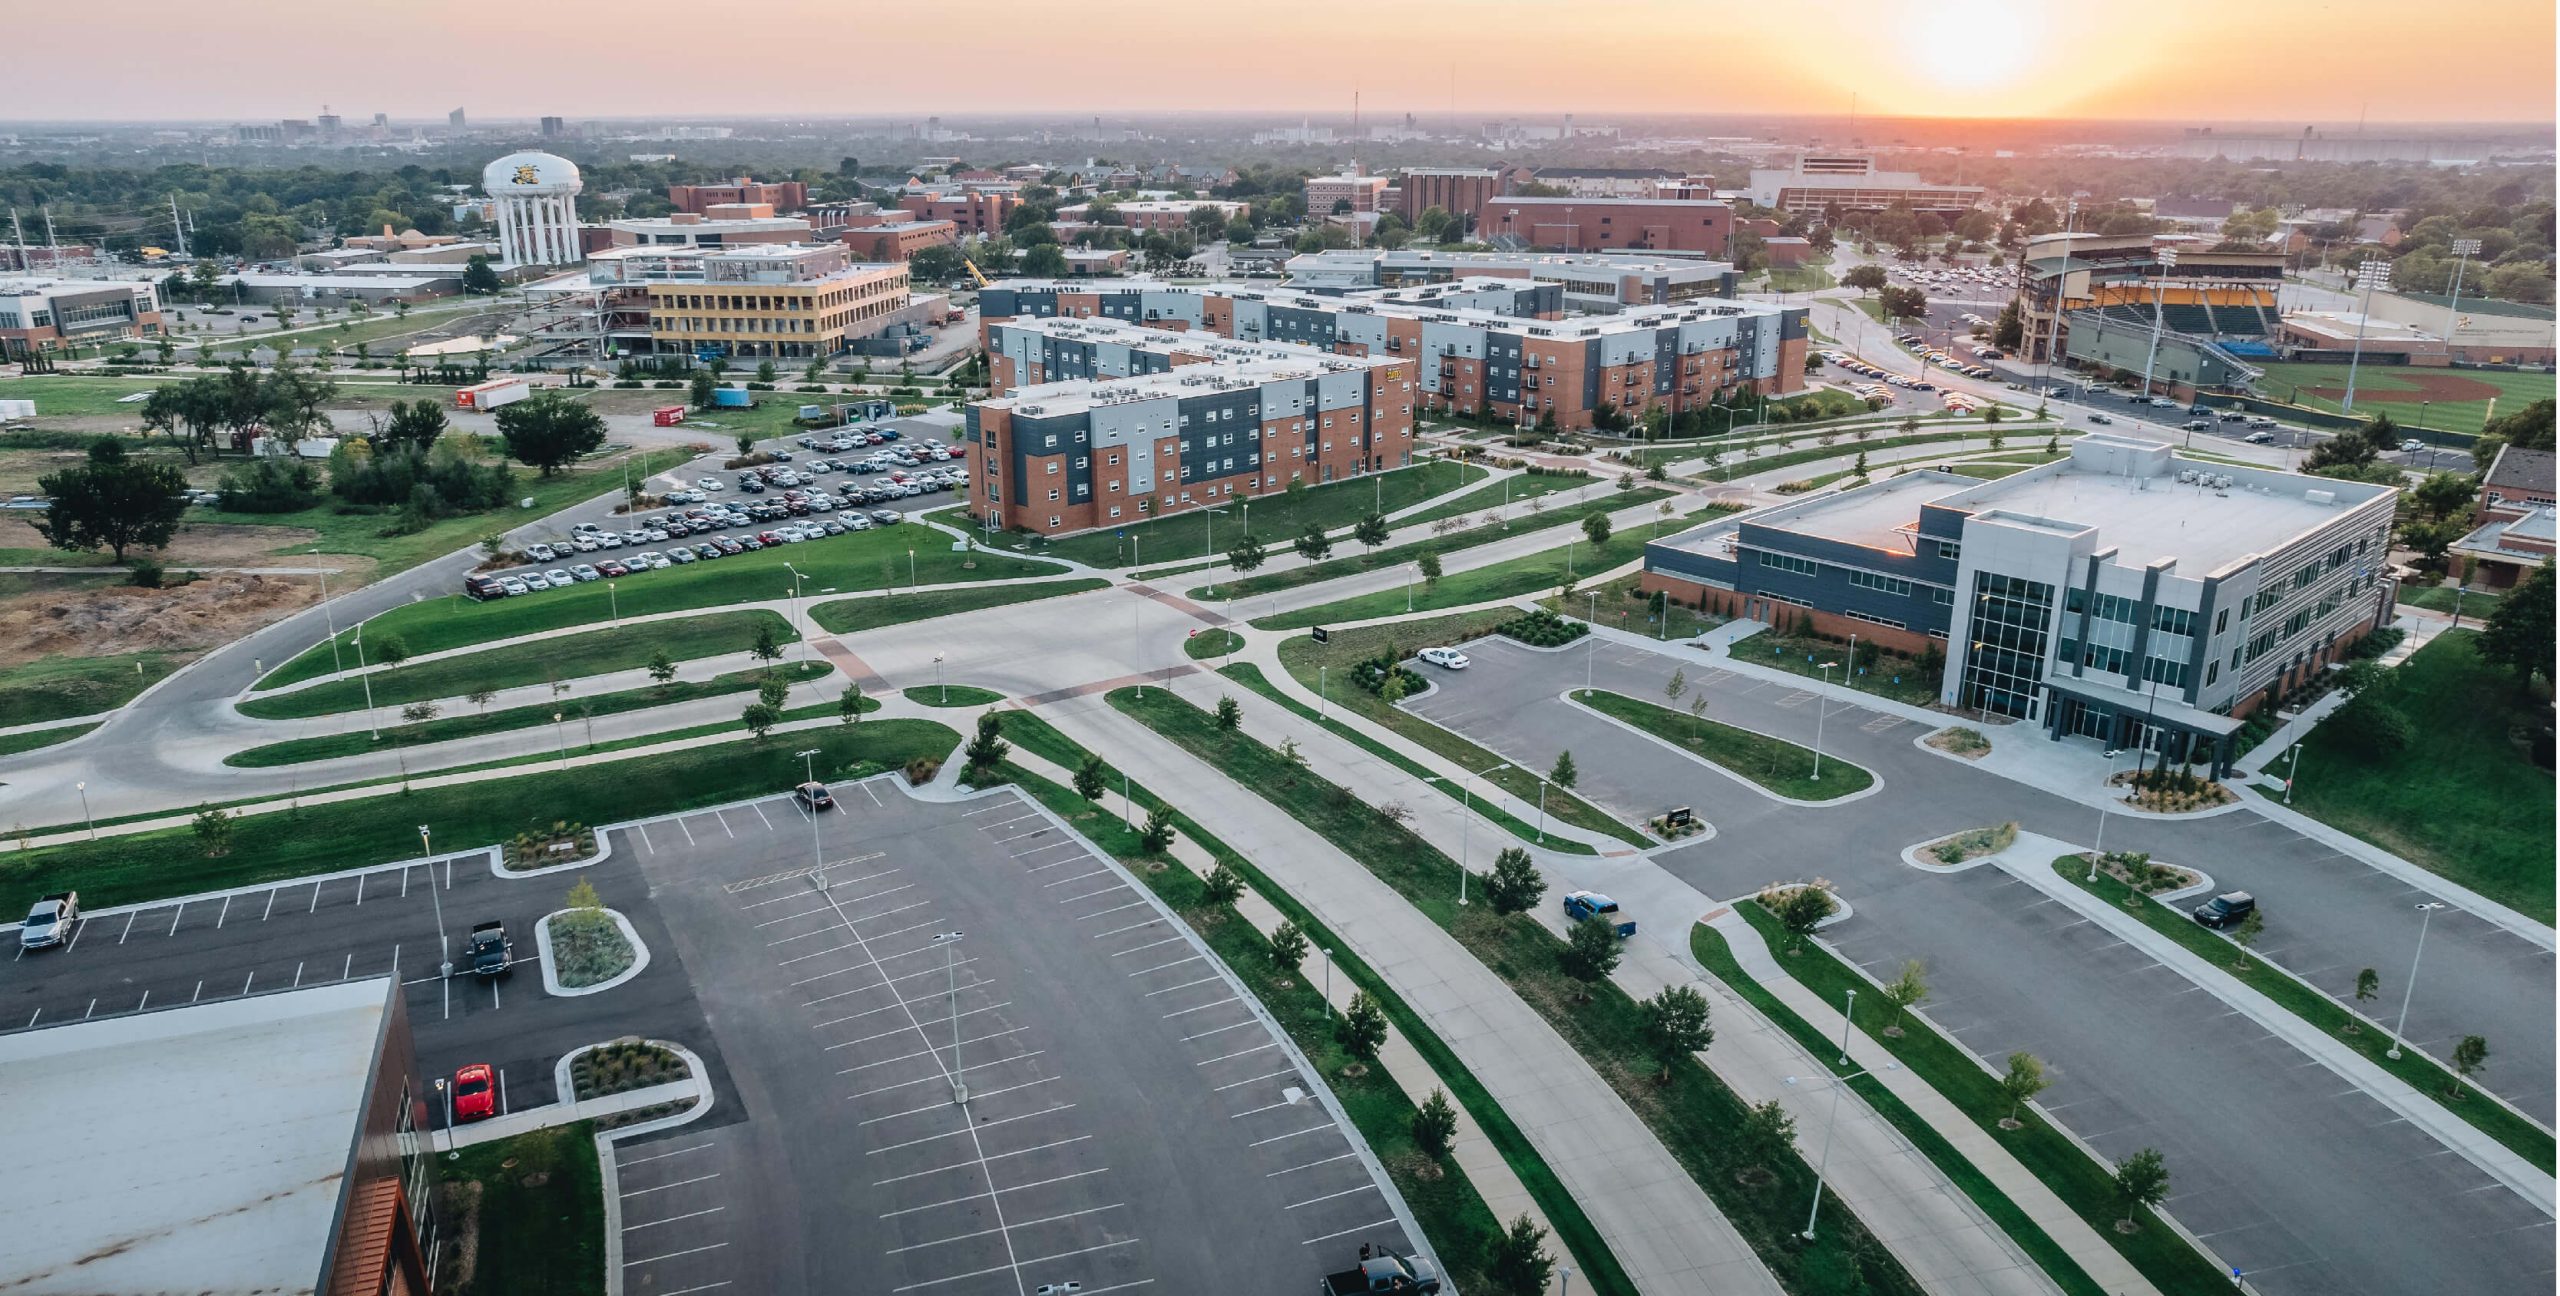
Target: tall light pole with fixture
<point>92,819</point>
<point>1467,819</point>
<point>950,943</point>
<point>1821,706</point>
<point>1830,1125</point>
<point>809,774</point>
<point>2159,288</point>
<point>444,947</point>
<point>2463,251</point>
<point>2426,912</point>
<point>2371,273</point>
<point>937,679</point>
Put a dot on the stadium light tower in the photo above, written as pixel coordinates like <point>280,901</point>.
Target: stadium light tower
<point>2371,273</point>
<point>2159,285</point>
<point>2463,251</point>
<point>2062,286</point>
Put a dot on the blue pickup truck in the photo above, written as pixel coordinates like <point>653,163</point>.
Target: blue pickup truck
<point>1581,906</point>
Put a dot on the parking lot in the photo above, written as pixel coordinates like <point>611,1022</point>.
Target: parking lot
<point>371,923</point>
<point>1130,1120</point>
<point>2288,1172</point>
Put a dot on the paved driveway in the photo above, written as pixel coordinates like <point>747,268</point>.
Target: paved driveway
<point>2288,1172</point>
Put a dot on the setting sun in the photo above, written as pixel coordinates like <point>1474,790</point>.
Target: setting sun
<point>1972,44</point>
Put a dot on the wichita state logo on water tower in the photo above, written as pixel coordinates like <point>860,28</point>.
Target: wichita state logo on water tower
<point>526,174</point>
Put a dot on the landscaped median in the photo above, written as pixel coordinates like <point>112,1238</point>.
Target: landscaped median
<point>846,616</point>
<point>1444,545</point>
<point>864,560</point>
<point>596,652</point>
<point>1448,1206</point>
<point>1709,946</point>
<point>2420,1072</point>
<point>1774,764</point>
<point>1695,1115</point>
<point>1510,578</point>
<point>357,742</point>
<point>1325,669</point>
<point>335,835</point>
<point>2087,1187</point>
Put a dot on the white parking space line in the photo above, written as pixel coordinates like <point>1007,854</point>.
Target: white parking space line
<point>1130,928</point>
<point>882,985</point>
<point>984,1125</point>
<point>768,823</point>
<point>724,824</point>
<point>1219,1030</point>
<point>1076,878</point>
<point>975,1066</point>
<point>1179,1012</point>
<point>906,1030</point>
<point>944,1105</point>
<point>1160,966</point>
<point>876,802</point>
<point>672,1255</point>
<point>1015,1268</point>
<point>643,830</point>
<point>1279,1138</point>
<point>803,913</point>
<point>680,1183</point>
<point>1063,841</point>
<point>174,916</point>
<point>689,1291</point>
<point>1184,986</point>
<point>671,1219</point>
<point>1093,895</point>
<point>271,904</point>
<point>128,926</point>
<point>1366,1187</point>
<point>772,879</point>
<point>1244,1052</point>
<point>972,1165</point>
<point>993,824</point>
<point>1310,1165</point>
<point>1358,1228</point>
<point>929,1052</point>
<point>360,888</point>
<point>867,1012</point>
<point>1037,1183</point>
<point>963,1237</point>
<point>1007,804</point>
<point>661,1156</point>
<point>1234,1084</point>
<point>226,907</point>
<point>1112,910</point>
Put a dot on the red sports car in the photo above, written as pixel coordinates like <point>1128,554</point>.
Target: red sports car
<point>475,1093</point>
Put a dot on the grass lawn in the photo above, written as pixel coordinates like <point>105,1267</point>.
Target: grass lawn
<point>54,558</point>
<point>2441,598</point>
<point>377,830</point>
<point>1694,1115</point>
<point>69,394</point>
<point>12,744</point>
<point>534,1207</point>
<point>59,687</point>
<point>1250,675</point>
<point>1448,1206</point>
<point>1742,459</point>
<point>1527,574</point>
<point>2461,800</point>
<point>564,658</point>
<point>2416,1069</point>
<point>1708,945</point>
<point>954,695</point>
<point>863,560</point>
<point>1894,676</point>
<point>1804,278</point>
<point>1444,545</point>
<point>1773,763</point>
<point>850,615</point>
<point>368,533</point>
<point>1621,603</point>
<point>473,724</point>
<point>2088,1188</point>
<point>2393,390</point>
<point>1516,489</point>
<point>1323,669</point>
<point>1205,644</point>
<point>1333,506</point>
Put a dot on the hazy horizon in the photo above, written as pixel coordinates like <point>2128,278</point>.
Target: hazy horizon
<point>2182,62</point>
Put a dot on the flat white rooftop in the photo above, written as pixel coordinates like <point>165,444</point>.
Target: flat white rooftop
<point>198,1149</point>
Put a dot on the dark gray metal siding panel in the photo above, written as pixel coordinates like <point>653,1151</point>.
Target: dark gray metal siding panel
<point>1306,327</point>
<point>1688,564</point>
<point>1052,434</point>
<point>1590,373</point>
<point>1666,360</point>
<point>2142,626</point>
<point>1502,367</point>
<point>1219,417</point>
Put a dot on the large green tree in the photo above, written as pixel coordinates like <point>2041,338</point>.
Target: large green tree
<point>2519,633</point>
<point>112,500</point>
<point>549,430</point>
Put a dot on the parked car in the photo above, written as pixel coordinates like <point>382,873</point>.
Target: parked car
<point>2229,909</point>
<point>2100,418</point>
<point>1582,905</point>
<point>1444,658</point>
<point>488,952</point>
<point>541,553</point>
<point>514,585</point>
<point>814,796</point>
<point>52,921</point>
<point>886,517</point>
<point>584,572</point>
<point>559,578</point>
<point>2260,438</point>
<point>475,1093</point>
<point>2198,425</point>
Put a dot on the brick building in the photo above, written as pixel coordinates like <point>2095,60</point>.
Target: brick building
<point>1609,224</point>
<point>781,195</point>
<point>1459,191</point>
<point>1491,363</point>
<point>1154,216</point>
<point>2513,530</point>
<point>1097,423</point>
<point>48,314</point>
<point>897,240</point>
<point>974,212</point>
<point>1364,193</point>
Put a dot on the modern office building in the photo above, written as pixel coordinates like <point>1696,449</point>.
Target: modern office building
<point>1363,193</point>
<point>1593,282</point>
<point>753,302</point>
<point>2122,593</point>
<point>1459,191</point>
<point>274,1143</point>
<point>1608,224</point>
<point>1819,183</point>
<point>1489,363</point>
<point>47,314</point>
<point>1114,422</point>
<point>780,195</point>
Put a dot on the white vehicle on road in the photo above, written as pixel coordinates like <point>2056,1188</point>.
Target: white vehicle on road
<point>1444,658</point>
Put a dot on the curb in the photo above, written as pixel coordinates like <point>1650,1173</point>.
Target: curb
<point>550,965</point>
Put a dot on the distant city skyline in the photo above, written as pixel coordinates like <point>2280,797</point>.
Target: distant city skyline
<point>2178,60</point>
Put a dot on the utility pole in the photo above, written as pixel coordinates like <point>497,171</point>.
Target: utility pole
<point>177,224</point>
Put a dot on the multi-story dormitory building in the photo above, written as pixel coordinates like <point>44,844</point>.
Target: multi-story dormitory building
<point>1496,348</point>
<point>2122,594</point>
<point>1098,423</point>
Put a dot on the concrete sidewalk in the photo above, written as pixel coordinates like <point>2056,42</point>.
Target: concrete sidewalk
<point>1663,1229</point>
<point>525,1120</point>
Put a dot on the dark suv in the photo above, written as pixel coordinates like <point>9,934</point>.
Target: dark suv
<point>2229,909</point>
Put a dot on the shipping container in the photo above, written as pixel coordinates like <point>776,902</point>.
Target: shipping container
<point>492,394</point>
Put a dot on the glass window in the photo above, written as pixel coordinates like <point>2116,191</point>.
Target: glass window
<point>2005,654</point>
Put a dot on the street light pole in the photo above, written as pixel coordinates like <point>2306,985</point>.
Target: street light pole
<point>369,717</point>
<point>1591,659</point>
<point>1467,817</point>
<point>2463,251</point>
<point>2290,770</point>
<point>2370,274</point>
<point>2426,913</point>
<point>2106,800</point>
<point>330,615</point>
<point>950,943</point>
<point>444,947</point>
<point>937,679</point>
<point>614,600</point>
<point>1821,709</point>
<point>83,785</point>
<point>1328,981</point>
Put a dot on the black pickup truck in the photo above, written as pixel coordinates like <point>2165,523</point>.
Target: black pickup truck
<point>489,952</point>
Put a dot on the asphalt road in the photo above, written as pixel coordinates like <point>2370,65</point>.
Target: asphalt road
<point>1130,1121</point>
<point>2289,1173</point>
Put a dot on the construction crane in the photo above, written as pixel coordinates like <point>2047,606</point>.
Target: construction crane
<point>974,271</point>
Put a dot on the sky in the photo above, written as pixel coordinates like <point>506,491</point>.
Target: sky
<point>2164,60</point>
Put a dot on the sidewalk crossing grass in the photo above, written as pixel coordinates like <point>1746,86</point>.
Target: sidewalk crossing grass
<point>1773,763</point>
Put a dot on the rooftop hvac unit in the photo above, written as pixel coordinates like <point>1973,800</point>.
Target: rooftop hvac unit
<point>2321,496</point>
<point>2222,481</point>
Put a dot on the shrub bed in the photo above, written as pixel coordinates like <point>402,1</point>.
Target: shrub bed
<point>562,843</point>
<point>1974,843</point>
<point>587,947</point>
<point>1542,629</point>
<point>1960,741</point>
<point>623,1065</point>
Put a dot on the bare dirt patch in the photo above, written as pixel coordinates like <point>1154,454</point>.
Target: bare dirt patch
<point>2440,388</point>
<point>105,620</point>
